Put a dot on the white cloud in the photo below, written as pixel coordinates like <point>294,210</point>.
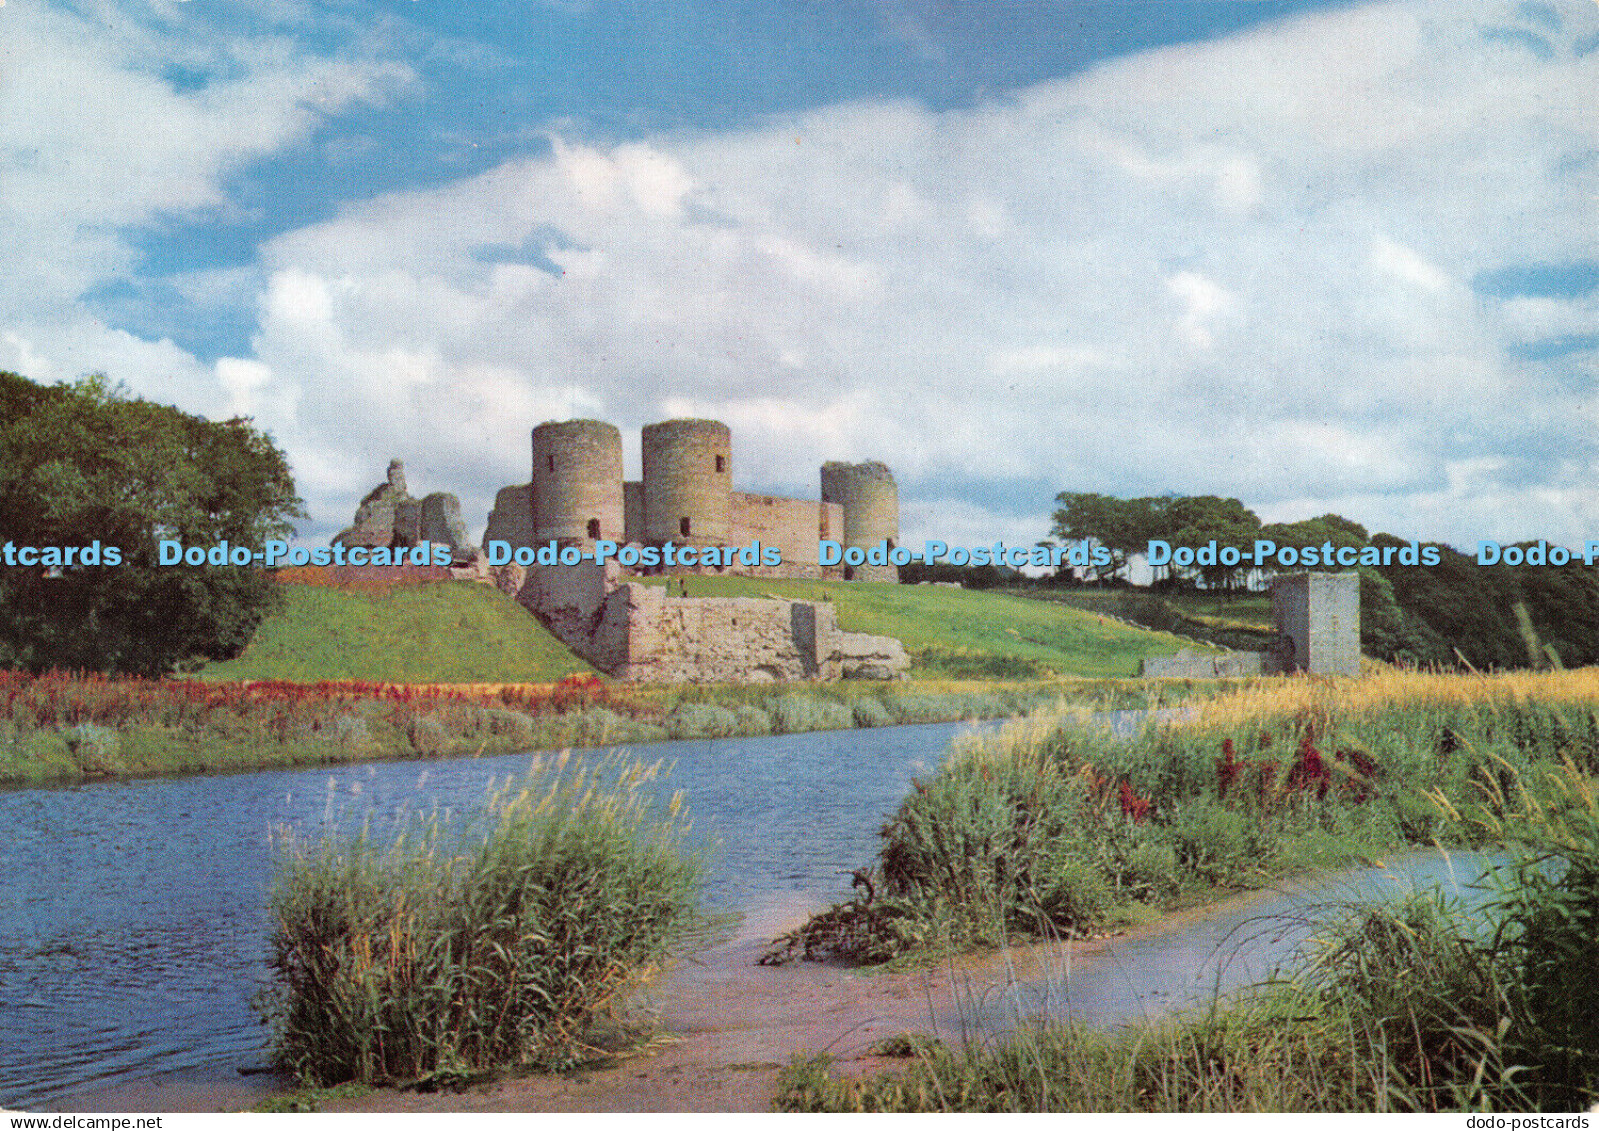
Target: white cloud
<point>1237,267</point>
<point>1405,265</point>
<point>95,146</point>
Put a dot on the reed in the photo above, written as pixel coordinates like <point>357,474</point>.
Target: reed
<point>186,726</point>
<point>1420,1005</point>
<point>1056,827</point>
<point>454,951</point>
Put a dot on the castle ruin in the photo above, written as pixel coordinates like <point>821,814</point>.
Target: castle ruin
<point>1318,633</point>
<point>577,496</point>
<point>633,631</point>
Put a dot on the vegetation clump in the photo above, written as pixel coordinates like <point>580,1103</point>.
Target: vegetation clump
<point>1058,828</point>
<point>447,953</point>
<point>1418,1005</point>
<point>88,469</point>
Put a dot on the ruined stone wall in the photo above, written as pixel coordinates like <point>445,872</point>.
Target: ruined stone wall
<point>638,632</point>
<point>570,601</point>
<point>1188,664</point>
<point>511,520</point>
<point>1318,632</point>
<point>711,639</point>
<point>441,520</point>
<point>792,525</point>
<point>1320,614</point>
<point>390,517</point>
<point>832,523</point>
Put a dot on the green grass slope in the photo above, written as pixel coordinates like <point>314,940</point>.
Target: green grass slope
<point>969,633</point>
<point>459,632</point>
<point>447,632</point>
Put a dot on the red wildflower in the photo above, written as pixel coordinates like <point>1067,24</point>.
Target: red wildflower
<point>1132,805</point>
<point>1226,769</point>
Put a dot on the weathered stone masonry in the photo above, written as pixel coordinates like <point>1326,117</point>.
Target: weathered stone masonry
<point>631,631</point>
<point>1318,622</point>
<point>638,632</point>
<point>577,496</point>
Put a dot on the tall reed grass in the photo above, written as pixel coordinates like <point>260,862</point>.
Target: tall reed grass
<point>448,951</point>
<point>1056,826</point>
<point>1422,1004</point>
<point>185,726</point>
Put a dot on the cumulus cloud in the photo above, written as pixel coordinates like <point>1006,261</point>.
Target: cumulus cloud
<point>1239,267</point>
<point>96,147</point>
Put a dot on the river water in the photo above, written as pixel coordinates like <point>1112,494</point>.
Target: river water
<point>133,918</point>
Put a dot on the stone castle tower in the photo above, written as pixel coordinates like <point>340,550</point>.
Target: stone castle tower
<point>577,496</point>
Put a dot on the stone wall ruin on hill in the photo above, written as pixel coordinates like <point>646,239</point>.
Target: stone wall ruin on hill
<point>389,516</point>
<point>640,633</point>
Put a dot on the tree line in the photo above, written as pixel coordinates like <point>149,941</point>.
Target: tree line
<point>1450,613</point>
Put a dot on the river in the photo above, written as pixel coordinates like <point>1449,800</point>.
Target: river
<point>133,917</point>
<point>133,920</point>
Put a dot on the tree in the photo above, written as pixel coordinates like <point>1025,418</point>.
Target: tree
<point>1122,526</point>
<point>85,463</point>
<point>1195,520</point>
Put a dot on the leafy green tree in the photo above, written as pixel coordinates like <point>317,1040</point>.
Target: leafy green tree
<point>1197,520</point>
<point>1455,609</point>
<point>85,464</point>
<point>1122,526</point>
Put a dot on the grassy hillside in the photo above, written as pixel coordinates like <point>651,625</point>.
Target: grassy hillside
<point>1230,619</point>
<point>448,632</point>
<point>968,632</point>
<point>458,632</point>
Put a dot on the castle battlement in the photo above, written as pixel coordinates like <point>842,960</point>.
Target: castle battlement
<point>577,495</point>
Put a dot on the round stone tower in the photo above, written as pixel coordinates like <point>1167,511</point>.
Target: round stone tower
<point>577,481</point>
<point>870,500</point>
<point>688,482</point>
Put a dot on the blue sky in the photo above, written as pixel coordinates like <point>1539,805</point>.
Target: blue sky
<point>1323,257</point>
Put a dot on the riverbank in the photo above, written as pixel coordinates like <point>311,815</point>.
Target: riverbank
<point>741,1037</point>
<point>1044,831</point>
<point>60,729</point>
<point>138,922</point>
<point>740,780</point>
<point>732,1028</point>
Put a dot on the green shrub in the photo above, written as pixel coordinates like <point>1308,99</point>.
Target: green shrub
<point>37,755</point>
<point>428,736</point>
<point>97,749</point>
<point>515,727</point>
<point>442,953</point>
<point>350,734</point>
<point>701,720</point>
<point>833,715</point>
<point>794,714</point>
<point>1420,997</point>
<point>871,713</point>
<point>1147,869</point>
<point>1547,940</point>
<point>924,708</point>
<point>600,726</point>
<point>1220,845</point>
<point>752,720</point>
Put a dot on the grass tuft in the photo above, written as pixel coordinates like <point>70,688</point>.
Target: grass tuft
<point>447,952</point>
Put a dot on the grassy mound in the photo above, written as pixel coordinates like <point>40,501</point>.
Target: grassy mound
<point>445,632</point>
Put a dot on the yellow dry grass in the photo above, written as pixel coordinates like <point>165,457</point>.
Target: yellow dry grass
<point>1386,690</point>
